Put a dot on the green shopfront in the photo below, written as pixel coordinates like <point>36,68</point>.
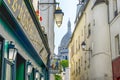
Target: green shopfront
<point>24,51</point>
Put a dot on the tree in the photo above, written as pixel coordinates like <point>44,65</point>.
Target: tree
<point>64,63</point>
<point>58,77</point>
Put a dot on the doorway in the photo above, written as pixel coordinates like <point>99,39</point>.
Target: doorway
<point>20,68</point>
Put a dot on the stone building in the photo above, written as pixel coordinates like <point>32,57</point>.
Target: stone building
<point>114,24</point>
<point>92,62</point>
<point>24,51</point>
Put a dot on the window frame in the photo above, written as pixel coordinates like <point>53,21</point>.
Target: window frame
<point>6,61</point>
<point>2,58</point>
<point>117,45</point>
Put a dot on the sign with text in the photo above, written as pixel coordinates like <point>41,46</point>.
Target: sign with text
<point>20,12</point>
<point>54,66</point>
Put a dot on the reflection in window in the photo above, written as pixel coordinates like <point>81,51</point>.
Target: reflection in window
<point>1,44</point>
<point>117,44</point>
<point>8,72</point>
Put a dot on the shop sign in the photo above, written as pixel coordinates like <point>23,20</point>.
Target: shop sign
<point>55,66</point>
<point>22,15</point>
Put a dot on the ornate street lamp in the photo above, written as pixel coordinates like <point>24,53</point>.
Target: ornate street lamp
<point>58,14</point>
<point>12,51</point>
<point>29,68</point>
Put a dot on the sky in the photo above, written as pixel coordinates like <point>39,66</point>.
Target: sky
<point>69,9</point>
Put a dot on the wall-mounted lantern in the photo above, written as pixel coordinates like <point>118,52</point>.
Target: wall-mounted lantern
<point>29,68</point>
<point>37,75</point>
<point>83,45</point>
<point>12,51</point>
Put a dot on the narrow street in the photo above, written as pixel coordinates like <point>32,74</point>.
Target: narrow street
<point>59,40</point>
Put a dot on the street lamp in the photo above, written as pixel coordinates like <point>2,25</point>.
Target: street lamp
<point>12,51</point>
<point>58,14</point>
<point>83,45</point>
<point>29,68</point>
<point>37,75</point>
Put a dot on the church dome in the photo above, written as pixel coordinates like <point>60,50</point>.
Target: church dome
<point>66,37</point>
<point>65,40</point>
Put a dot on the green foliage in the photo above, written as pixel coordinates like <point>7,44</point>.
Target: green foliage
<point>58,77</point>
<point>64,63</point>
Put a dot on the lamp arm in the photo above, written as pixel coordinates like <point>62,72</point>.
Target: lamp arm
<point>45,8</point>
<point>87,50</point>
<point>50,3</point>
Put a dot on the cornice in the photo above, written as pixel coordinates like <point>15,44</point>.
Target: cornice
<point>97,2</point>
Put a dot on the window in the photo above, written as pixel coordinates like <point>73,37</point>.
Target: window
<point>76,68</point>
<point>1,48</point>
<point>89,56</point>
<point>79,66</point>
<point>81,60</point>
<point>115,7</point>
<point>76,46</point>
<point>85,61</point>
<point>32,75</point>
<point>66,57</point>
<point>89,30</point>
<point>117,45</point>
<point>93,22</point>
<point>9,70</point>
<point>82,33</point>
<point>79,42</point>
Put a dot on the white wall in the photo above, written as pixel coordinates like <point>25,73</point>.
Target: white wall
<point>114,26</point>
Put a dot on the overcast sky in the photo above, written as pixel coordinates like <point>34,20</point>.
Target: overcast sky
<point>69,9</point>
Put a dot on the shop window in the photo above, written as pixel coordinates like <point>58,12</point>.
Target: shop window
<point>32,75</point>
<point>9,68</point>
<point>20,68</point>
<point>117,45</point>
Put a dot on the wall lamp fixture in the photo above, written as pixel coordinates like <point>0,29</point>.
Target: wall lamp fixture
<point>83,45</point>
<point>58,13</point>
<point>37,75</point>
<point>29,67</point>
<point>12,51</point>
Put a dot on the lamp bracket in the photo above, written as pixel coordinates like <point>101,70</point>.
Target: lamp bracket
<point>87,50</point>
<point>50,3</point>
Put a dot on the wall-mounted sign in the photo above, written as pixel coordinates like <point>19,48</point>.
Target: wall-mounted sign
<point>22,15</point>
<point>55,66</point>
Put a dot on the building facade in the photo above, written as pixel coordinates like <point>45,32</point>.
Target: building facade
<point>46,18</point>
<point>22,36</point>
<point>77,56</point>
<point>96,60</point>
<point>114,19</point>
